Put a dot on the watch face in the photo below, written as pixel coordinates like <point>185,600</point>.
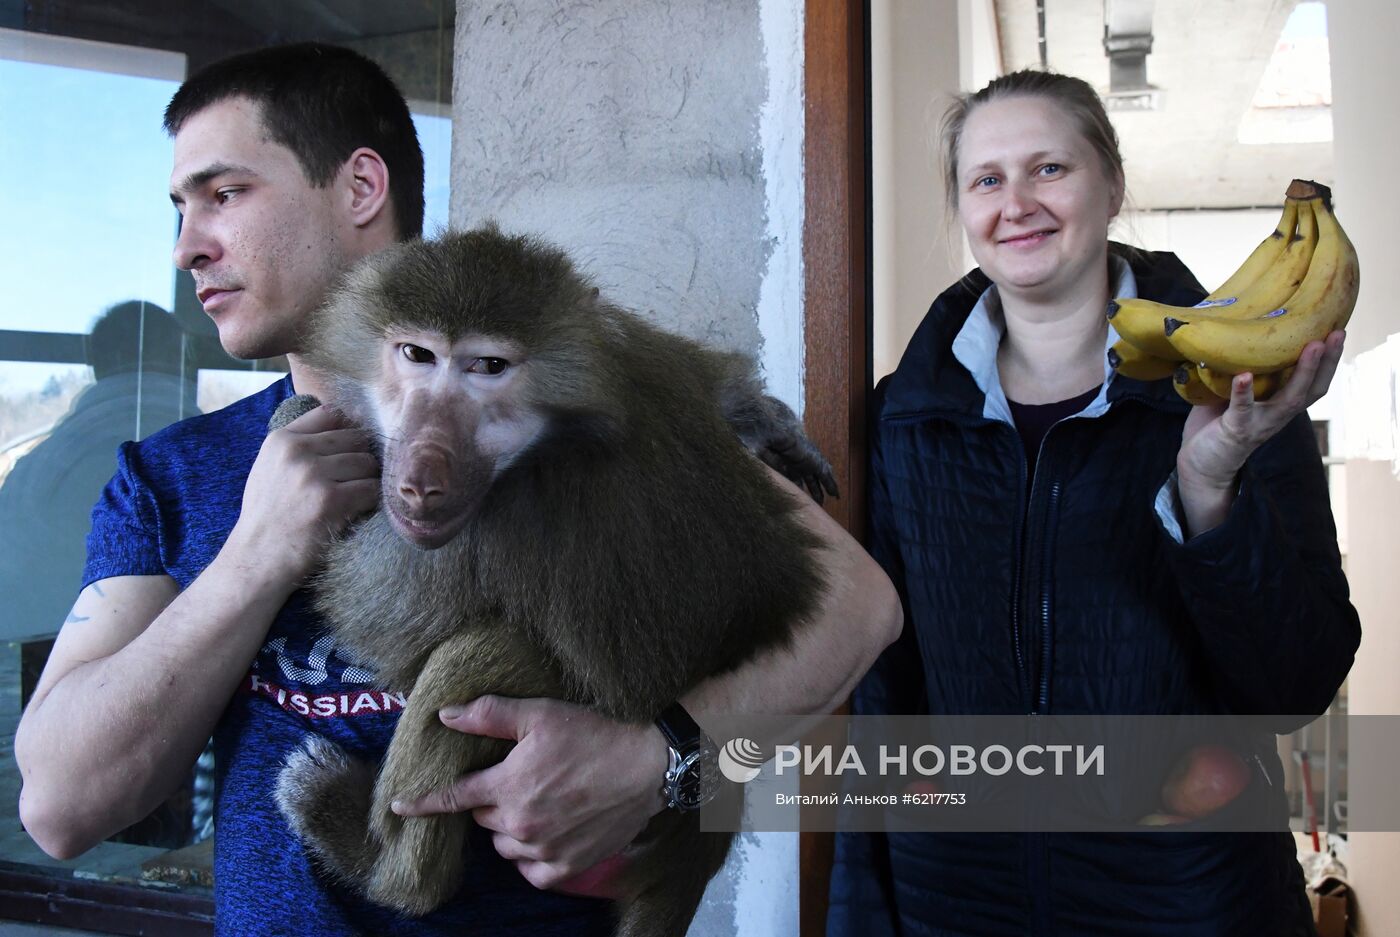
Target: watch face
<point>697,780</point>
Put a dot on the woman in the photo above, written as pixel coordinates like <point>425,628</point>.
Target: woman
<point>1070,541</point>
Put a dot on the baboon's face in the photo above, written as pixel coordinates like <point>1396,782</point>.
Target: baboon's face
<point>453,415</point>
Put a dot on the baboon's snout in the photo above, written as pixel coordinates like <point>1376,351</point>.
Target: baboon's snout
<point>425,481</point>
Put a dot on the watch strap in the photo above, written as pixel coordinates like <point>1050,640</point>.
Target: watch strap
<point>682,732</point>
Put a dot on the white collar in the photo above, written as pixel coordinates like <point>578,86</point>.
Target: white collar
<point>975,346</point>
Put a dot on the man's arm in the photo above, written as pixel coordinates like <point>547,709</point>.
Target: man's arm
<point>141,672</point>
<point>579,787</point>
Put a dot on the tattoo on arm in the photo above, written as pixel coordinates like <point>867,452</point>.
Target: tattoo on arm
<point>97,587</point>
<point>74,616</point>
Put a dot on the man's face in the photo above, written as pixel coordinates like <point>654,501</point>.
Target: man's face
<point>259,239</point>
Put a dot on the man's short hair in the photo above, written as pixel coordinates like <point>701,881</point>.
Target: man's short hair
<point>322,102</point>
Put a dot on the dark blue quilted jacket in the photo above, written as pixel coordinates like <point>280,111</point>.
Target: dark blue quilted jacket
<point>1077,601</point>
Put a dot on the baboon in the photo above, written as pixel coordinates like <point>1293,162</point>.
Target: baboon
<point>566,511</point>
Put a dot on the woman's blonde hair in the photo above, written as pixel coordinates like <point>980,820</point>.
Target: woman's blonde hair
<point>1076,96</point>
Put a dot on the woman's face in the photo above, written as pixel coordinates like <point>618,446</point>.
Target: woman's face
<point>1034,198</point>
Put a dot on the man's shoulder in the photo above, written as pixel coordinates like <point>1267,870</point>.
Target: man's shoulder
<point>245,417</point>
<point>209,442</point>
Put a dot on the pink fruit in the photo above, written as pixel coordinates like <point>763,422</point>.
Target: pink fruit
<point>1205,779</point>
<point>923,788</point>
<point>598,881</point>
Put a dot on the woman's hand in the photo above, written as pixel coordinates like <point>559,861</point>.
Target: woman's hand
<point>1218,438</point>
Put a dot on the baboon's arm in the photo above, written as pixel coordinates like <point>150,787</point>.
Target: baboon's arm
<point>769,428</point>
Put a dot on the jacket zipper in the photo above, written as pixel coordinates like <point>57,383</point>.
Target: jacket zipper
<point>1043,702</point>
<point>1025,594</point>
<point>1038,596</point>
<point>1034,682</point>
<point>1022,532</point>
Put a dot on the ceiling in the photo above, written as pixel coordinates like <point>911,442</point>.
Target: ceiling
<point>410,38</point>
<point>1207,59</point>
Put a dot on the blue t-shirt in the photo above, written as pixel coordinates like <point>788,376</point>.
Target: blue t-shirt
<point>167,511</point>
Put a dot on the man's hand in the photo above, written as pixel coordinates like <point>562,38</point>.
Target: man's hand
<point>311,478</point>
<point>576,789</point>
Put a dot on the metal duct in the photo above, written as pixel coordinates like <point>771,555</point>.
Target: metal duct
<point>1127,41</point>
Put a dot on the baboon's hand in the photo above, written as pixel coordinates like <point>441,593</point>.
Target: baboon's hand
<point>769,428</point>
<point>291,408</point>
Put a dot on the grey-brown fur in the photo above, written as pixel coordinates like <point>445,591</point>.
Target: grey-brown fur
<point>633,551</point>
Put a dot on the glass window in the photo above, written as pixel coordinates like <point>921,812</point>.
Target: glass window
<point>101,340</point>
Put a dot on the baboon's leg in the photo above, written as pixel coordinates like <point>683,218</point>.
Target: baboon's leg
<point>678,864</point>
<point>324,794</point>
<point>419,865</point>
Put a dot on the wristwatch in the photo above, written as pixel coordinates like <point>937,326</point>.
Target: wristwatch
<point>692,771</point>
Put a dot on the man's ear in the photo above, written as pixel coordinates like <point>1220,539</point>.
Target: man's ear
<point>368,181</point>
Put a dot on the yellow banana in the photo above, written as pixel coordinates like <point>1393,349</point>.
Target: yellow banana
<point>1263,256</point>
<point>1277,284</point>
<point>1142,322</point>
<point>1130,361</point>
<point>1265,385</point>
<point>1189,386</point>
<point>1272,341</point>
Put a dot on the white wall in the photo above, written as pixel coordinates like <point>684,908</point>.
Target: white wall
<point>764,867</point>
<point>914,65</point>
<point>979,44</point>
<point>780,139</point>
<point>1211,243</point>
<point>1366,137</point>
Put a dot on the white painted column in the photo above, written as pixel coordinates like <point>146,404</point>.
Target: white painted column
<point>917,252</point>
<point>1365,84</point>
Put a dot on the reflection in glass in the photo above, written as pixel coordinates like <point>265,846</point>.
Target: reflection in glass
<point>136,352</point>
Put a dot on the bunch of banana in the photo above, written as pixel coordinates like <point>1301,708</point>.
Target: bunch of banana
<point>1298,285</point>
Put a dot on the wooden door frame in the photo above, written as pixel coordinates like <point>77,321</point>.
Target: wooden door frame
<point>836,307</point>
<point>835,244</point>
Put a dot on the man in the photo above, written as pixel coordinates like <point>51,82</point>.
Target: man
<point>290,165</point>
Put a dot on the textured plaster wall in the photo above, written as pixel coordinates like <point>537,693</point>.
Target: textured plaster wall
<point>632,133</point>
<point>661,144</point>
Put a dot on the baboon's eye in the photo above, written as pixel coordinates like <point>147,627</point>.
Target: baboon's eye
<point>488,366</point>
<point>417,354</point>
